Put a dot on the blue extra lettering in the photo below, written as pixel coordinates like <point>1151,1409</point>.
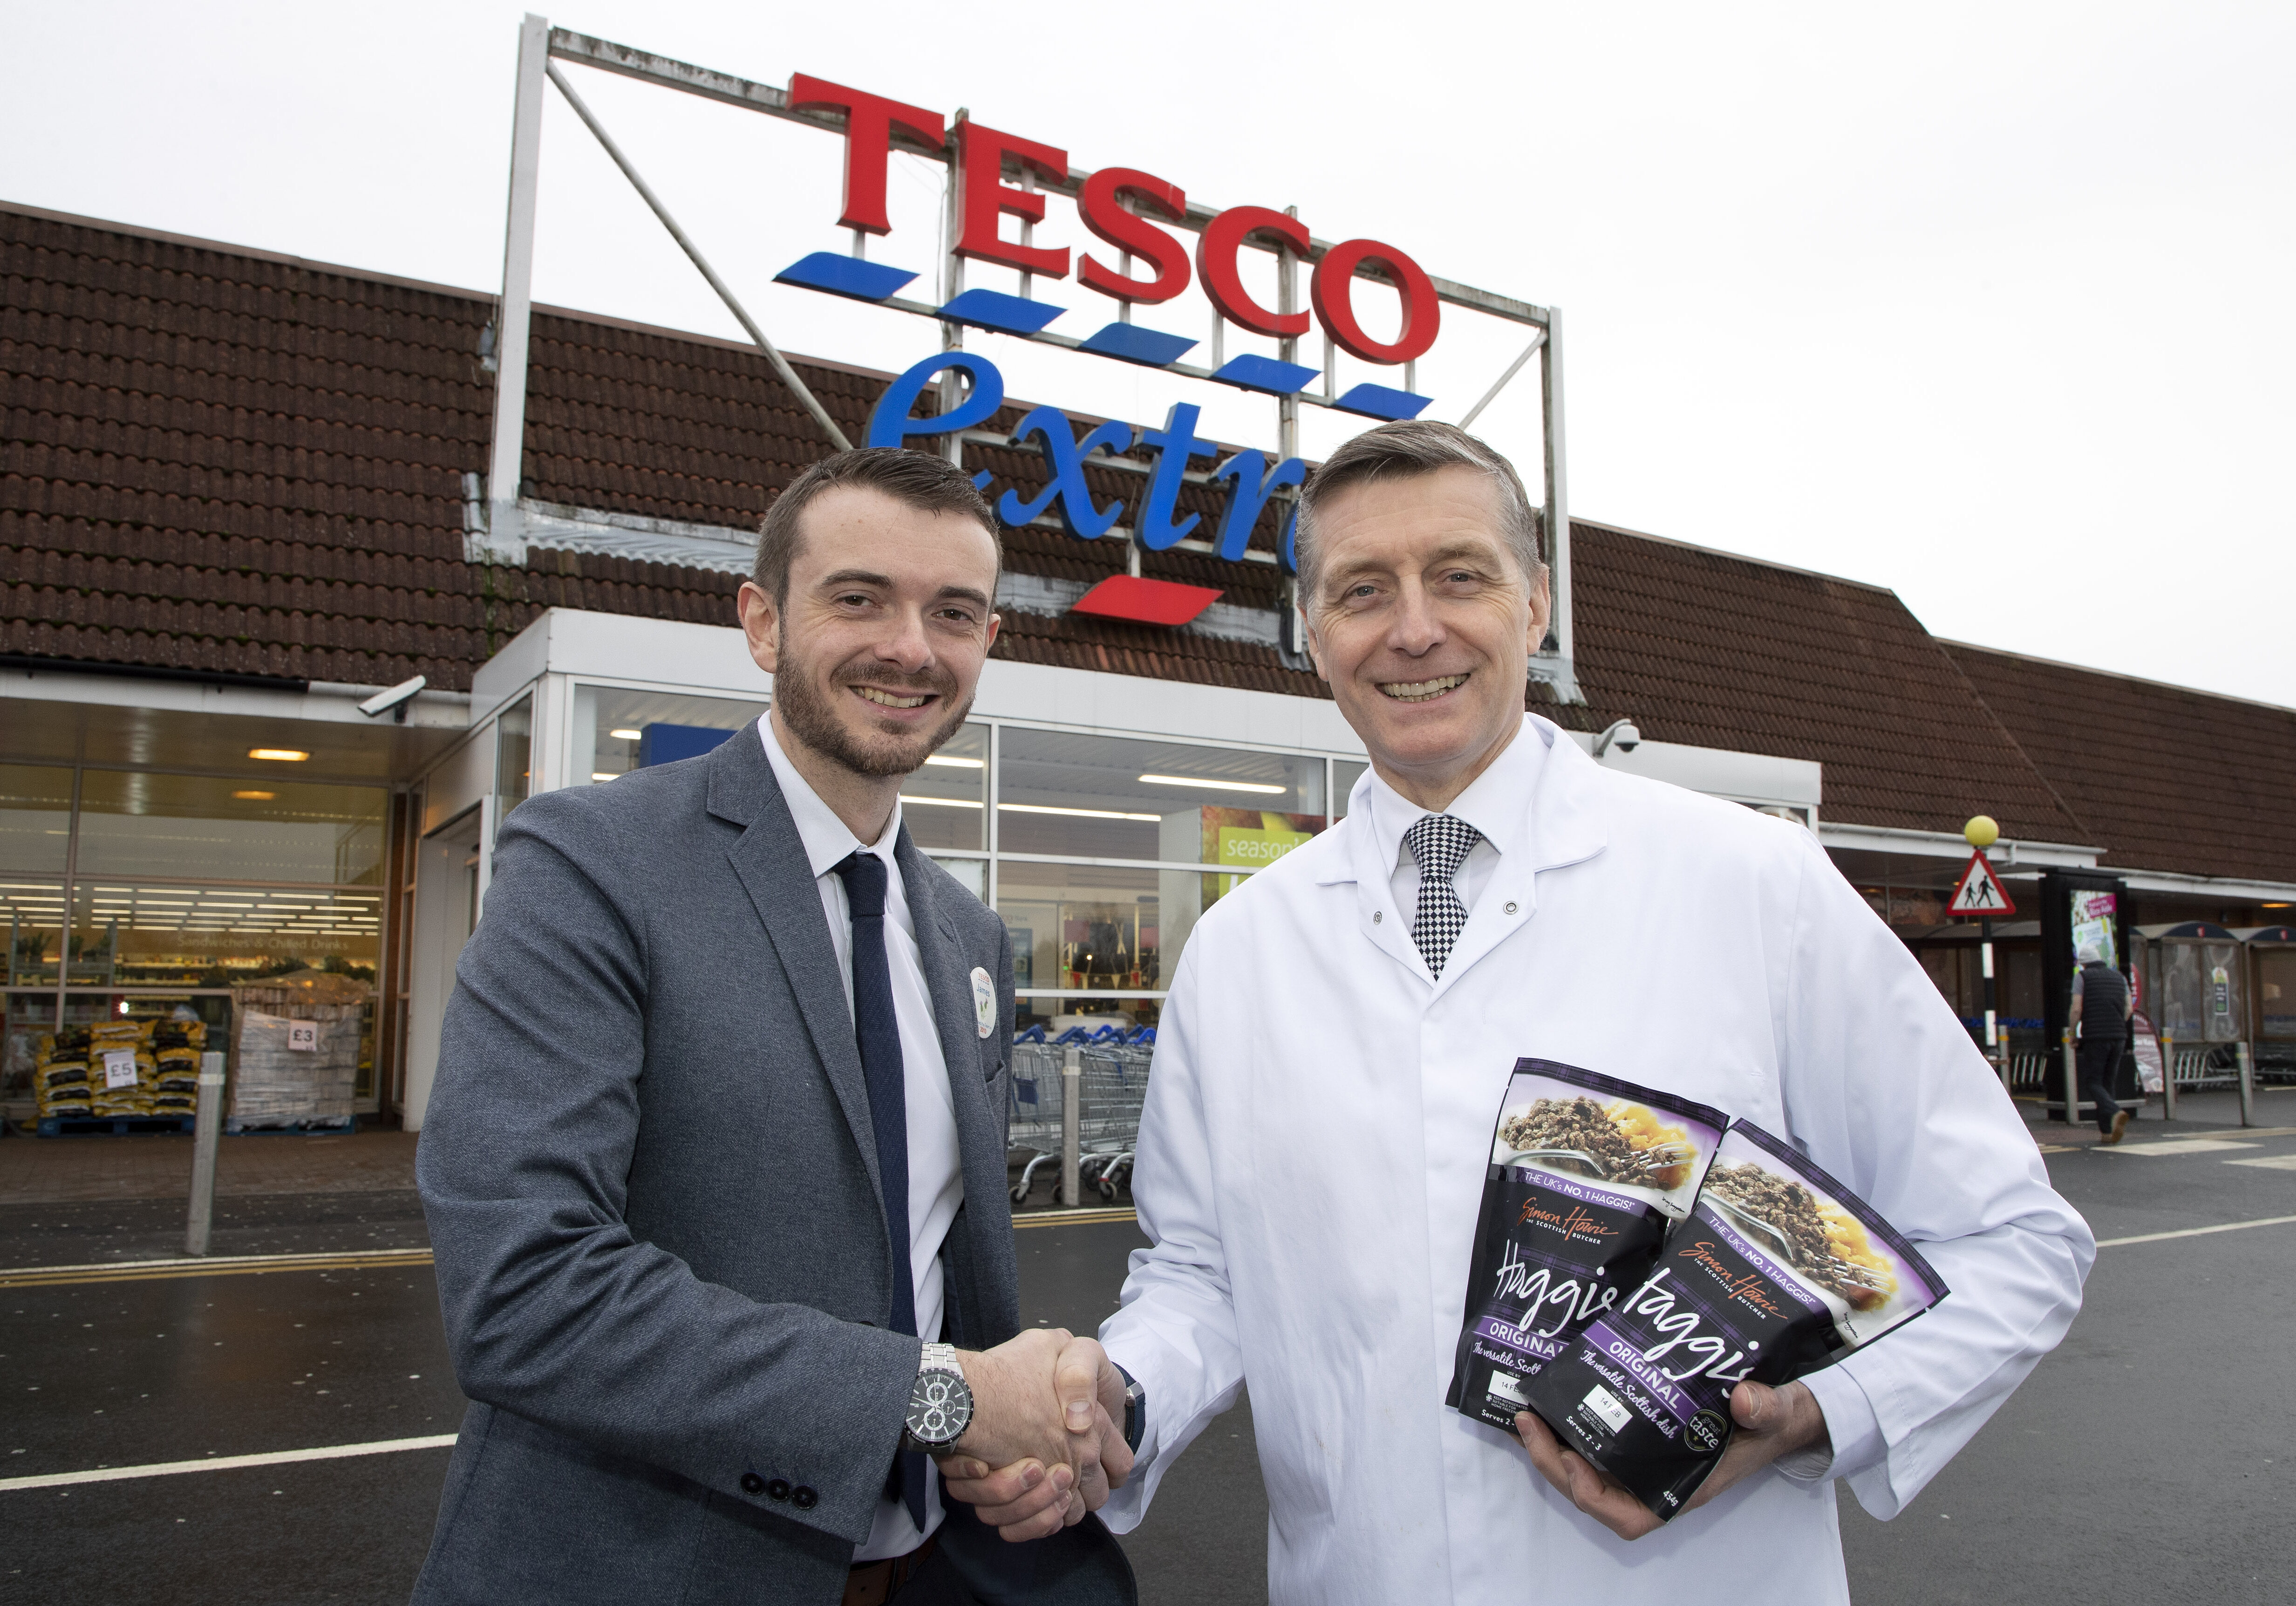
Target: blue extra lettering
<point>1067,489</point>
<point>890,424</point>
<point>1254,482</point>
<point>1176,444</point>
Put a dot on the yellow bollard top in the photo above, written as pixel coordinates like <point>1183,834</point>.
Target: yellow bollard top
<point>1982,831</point>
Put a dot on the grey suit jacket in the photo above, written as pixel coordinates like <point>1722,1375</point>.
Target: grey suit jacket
<point>652,1195</point>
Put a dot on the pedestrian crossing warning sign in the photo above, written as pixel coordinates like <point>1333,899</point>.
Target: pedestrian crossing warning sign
<point>1980,891</point>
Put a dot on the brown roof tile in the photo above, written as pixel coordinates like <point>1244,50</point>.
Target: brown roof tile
<point>2171,778</point>
<point>218,458</point>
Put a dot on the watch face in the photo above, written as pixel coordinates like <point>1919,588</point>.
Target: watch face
<point>941,1408</point>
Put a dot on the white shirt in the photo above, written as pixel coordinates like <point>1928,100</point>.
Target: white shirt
<point>1493,804</point>
<point>935,1174</point>
<point>1312,1154</point>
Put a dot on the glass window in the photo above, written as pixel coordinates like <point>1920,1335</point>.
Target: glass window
<point>34,911</point>
<point>614,731</point>
<point>35,819</point>
<point>1100,797</point>
<point>513,757</point>
<point>945,803</point>
<point>129,934</point>
<point>1078,926</point>
<point>1345,773</point>
<point>135,823</point>
<point>2275,977</point>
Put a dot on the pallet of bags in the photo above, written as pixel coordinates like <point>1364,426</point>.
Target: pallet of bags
<point>176,1045</point>
<point>276,1084</point>
<point>107,1042</point>
<point>59,1078</point>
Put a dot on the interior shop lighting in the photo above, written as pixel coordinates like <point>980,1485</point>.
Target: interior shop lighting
<point>946,762</point>
<point>1072,813</point>
<point>256,796</point>
<point>1215,785</point>
<point>604,774</point>
<point>627,734</point>
<point>943,803</point>
<point>284,755</point>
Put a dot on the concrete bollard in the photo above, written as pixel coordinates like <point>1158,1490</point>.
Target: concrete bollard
<point>2247,1084</point>
<point>2167,1077</point>
<point>207,1127</point>
<point>2072,1081</point>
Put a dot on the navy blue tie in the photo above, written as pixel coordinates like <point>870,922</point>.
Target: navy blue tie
<point>877,1031</point>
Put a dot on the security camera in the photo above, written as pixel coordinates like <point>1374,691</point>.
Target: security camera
<point>396,697</point>
<point>1620,734</point>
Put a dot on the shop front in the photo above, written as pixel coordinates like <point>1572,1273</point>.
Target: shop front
<point>1101,815</point>
<point>177,860</point>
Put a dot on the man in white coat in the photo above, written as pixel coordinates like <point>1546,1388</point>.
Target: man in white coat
<point>1335,1048</point>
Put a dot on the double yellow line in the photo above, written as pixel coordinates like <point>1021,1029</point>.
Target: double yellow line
<point>362,1260</point>
<point>213,1265</point>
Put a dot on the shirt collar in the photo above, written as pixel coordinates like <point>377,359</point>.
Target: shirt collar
<point>828,840</point>
<point>1496,803</point>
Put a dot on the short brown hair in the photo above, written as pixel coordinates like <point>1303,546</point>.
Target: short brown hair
<point>919,480</point>
<point>1416,446</point>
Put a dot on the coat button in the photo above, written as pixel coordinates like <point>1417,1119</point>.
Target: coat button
<point>1376,916</point>
<point>752,1484</point>
<point>778,1489</point>
<point>803,1498</point>
<point>1510,908</point>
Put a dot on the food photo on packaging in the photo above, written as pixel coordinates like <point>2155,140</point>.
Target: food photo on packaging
<point>1777,1270</point>
<point>1586,1174</point>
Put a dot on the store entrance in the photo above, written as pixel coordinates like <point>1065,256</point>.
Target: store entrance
<point>446,894</point>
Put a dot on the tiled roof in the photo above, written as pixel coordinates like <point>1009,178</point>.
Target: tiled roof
<point>1701,647</point>
<point>223,460</point>
<point>2167,777</point>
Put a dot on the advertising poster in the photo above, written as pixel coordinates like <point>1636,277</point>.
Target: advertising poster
<point>2094,921</point>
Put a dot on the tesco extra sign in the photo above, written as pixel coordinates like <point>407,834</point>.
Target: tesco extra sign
<point>984,199</point>
<point>1121,207</point>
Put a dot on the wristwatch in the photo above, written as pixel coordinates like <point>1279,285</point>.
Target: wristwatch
<point>1136,1410</point>
<point>940,1405</point>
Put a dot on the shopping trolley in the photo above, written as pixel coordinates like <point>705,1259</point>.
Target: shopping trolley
<point>1035,1107</point>
<point>1112,1091</point>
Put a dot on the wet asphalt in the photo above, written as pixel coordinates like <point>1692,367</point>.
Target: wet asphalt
<point>2143,1460</point>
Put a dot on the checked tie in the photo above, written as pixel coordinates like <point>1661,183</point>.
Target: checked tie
<point>877,1031</point>
<point>1439,844</point>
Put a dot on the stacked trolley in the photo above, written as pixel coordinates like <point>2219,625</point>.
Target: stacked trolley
<point>1101,1131</point>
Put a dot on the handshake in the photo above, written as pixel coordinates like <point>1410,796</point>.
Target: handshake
<point>1047,1441</point>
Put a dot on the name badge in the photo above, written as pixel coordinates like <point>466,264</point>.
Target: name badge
<point>984,1002</point>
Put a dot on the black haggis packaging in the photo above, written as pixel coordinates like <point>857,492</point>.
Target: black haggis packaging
<point>1586,1174</point>
<point>1778,1271</point>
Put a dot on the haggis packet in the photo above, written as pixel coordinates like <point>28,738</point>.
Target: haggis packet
<point>1586,1173</point>
<point>1778,1271</point>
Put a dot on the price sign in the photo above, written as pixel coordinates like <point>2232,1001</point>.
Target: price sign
<point>303,1036</point>
<point>118,1067</point>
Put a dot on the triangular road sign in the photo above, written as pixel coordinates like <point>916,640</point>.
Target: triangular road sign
<point>1980,892</point>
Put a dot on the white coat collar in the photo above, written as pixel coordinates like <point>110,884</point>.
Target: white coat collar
<point>1555,821</point>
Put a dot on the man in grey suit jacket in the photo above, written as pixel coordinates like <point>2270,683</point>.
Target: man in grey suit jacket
<point>716,1151</point>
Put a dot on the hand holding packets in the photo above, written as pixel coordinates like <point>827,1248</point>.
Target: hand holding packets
<point>1661,1316</point>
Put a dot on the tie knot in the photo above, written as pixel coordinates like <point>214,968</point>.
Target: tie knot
<point>864,875</point>
<point>1439,843</point>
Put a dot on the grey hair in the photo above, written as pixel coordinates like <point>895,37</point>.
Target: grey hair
<point>1411,447</point>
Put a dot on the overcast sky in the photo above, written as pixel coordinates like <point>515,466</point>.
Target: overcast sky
<point>1988,304</point>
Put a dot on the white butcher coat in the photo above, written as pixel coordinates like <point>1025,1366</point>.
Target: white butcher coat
<point>1312,1155</point>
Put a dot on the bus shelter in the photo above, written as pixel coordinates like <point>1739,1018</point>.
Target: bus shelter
<point>2271,952</point>
<point>2194,986</point>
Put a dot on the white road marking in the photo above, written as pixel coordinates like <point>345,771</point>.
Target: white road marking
<point>2275,1162</point>
<point>2153,1237</point>
<point>2172,1146</point>
<point>217,1464</point>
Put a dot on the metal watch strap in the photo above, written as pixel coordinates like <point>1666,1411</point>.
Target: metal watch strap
<point>932,1357</point>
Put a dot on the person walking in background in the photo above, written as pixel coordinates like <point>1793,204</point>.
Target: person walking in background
<point>2101,1007</point>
